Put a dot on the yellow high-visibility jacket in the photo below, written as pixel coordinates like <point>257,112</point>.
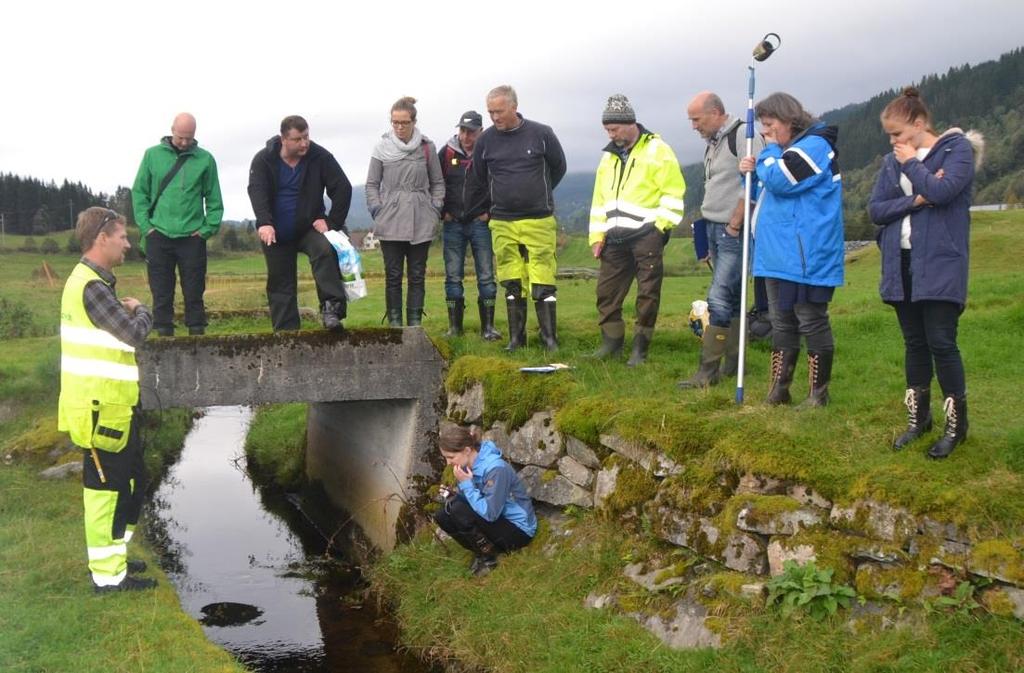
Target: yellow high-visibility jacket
<point>647,188</point>
<point>99,379</point>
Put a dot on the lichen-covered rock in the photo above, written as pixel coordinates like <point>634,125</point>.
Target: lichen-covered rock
<point>582,453</point>
<point>536,442</point>
<point>574,471</point>
<point>744,553</point>
<point>468,406</point>
<point>998,560</point>
<point>808,496</point>
<point>596,601</point>
<point>1016,597</point>
<point>685,630</point>
<point>875,519</point>
<point>685,529</point>
<point>499,435</point>
<point>885,581</point>
<point>654,580</point>
<point>777,523</point>
<point>605,483</point>
<point>945,531</point>
<point>876,554</point>
<point>778,554</point>
<point>550,487</point>
<point>656,462</point>
<point>758,484</point>
<point>62,471</point>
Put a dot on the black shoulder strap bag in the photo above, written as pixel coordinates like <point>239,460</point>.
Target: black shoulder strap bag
<point>182,158</point>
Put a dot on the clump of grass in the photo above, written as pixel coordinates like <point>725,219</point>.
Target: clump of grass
<point>276,444</point>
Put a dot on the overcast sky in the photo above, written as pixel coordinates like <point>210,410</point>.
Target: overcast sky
<point>89,85</point>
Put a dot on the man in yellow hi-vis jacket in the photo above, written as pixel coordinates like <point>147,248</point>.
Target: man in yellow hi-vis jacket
<point>99,388</point>
<point>638,198</point>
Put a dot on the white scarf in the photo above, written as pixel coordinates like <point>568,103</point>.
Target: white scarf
<point>391,148</point>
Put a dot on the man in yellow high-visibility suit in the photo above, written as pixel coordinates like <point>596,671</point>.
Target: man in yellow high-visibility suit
<point>99,389</point>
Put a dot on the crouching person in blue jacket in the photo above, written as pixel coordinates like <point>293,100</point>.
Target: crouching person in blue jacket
<point>491,511</point>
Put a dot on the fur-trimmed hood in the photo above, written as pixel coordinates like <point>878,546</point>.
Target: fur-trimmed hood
<point>974,137</point>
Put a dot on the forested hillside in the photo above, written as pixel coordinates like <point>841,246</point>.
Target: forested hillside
<point>988,97</point>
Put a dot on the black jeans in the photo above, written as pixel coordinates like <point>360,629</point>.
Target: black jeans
<point>809,320</point>
<point>399,254</point>
<point>929,334</point>
<point>164,257</point>
<point>282,282</point>
<point>458,519</point>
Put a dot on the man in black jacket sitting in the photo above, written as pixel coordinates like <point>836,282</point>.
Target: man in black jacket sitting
<point>287,180</point>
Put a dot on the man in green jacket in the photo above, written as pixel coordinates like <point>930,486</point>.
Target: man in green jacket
<point>177,203</point>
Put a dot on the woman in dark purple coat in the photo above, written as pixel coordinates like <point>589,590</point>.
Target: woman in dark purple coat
<point>921,203</point>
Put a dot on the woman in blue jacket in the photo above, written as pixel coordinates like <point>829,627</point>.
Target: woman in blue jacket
<point>921,202</point>
<point>798,232</point>
<point>492,510</point>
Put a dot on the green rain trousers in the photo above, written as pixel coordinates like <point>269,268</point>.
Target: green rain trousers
<point>538,238</point>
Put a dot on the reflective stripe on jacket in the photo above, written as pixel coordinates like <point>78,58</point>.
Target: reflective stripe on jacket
<point>99,379</point>
<point>647,189</point>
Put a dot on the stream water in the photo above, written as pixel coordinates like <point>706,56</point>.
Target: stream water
<point>252,571</point>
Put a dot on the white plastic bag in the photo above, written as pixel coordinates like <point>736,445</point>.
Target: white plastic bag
<point>349,264</point>
<point>698,317</point>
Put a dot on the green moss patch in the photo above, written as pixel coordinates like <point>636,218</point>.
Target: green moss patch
<point>634,487</point>
<point>999,557</point>
<point>509,395</point>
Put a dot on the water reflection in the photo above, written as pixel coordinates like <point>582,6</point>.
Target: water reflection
<point>240,561</point>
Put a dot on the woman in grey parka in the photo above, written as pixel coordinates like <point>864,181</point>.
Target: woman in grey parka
<point>405,194</point>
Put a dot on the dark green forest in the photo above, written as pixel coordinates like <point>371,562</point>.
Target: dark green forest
<point>36,208</point>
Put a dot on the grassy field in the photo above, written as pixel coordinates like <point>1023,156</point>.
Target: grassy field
<point>529,615</point>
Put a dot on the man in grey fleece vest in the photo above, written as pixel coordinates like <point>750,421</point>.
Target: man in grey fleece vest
<point>722,212</point>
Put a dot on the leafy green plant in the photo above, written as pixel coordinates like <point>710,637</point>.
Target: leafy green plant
<point>961,602</point>
<point>809,588</point>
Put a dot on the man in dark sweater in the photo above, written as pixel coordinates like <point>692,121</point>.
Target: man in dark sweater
<point>287,181</point>
<point>516,165</point>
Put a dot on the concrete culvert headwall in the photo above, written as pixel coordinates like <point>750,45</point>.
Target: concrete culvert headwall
<point>375,397</point>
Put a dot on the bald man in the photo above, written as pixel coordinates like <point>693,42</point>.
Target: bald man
<point>721,214</point>
<point>177,204</point>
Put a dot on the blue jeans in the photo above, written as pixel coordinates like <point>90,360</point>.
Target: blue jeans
<point>727,259</point>
<point>457,237</point>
